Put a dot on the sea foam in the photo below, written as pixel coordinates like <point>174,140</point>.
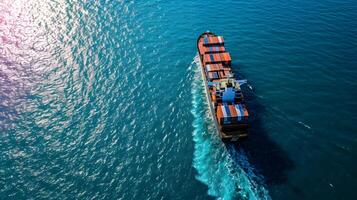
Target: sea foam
<point>224,169</point>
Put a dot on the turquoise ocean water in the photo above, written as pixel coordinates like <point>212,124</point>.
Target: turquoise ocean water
<point>103,100</point>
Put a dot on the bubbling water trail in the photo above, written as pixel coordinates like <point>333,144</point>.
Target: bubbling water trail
<point>226,171</point>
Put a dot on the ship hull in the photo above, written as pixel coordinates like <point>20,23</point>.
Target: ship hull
<point>233,136</point>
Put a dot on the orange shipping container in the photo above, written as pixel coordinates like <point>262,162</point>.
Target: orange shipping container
<point>232,110</point>
<point>206,58</point>
<point>228,57</point>
<point>213,97</point>
<point>210,40</point>
<point>217,58</point>
<point>215,40</point>
<point>225,57</point>
<point>219,114</point>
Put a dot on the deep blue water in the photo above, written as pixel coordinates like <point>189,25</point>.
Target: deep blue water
<point>103,100</point>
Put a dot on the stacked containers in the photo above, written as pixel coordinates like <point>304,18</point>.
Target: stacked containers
<point>225,57</point>
<point>212,75</point>
<point>230,111</point>
<point>222,71</point>
<point>216,58</point>
<point>212,49</point>
<point>232,114</point>
<point>222,74</point>
<point>207,59</point>
<point>213,40</point>
<point>201,49</point>
<point>214,67</point>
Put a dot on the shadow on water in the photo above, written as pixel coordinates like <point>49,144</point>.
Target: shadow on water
<point>268,159</point>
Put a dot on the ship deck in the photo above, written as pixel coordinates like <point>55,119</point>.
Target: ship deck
<point>226,132</point>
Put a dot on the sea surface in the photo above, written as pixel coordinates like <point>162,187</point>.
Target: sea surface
<point>102,99</point>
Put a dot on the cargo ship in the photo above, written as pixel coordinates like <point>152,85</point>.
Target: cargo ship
<point>223,90</point>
